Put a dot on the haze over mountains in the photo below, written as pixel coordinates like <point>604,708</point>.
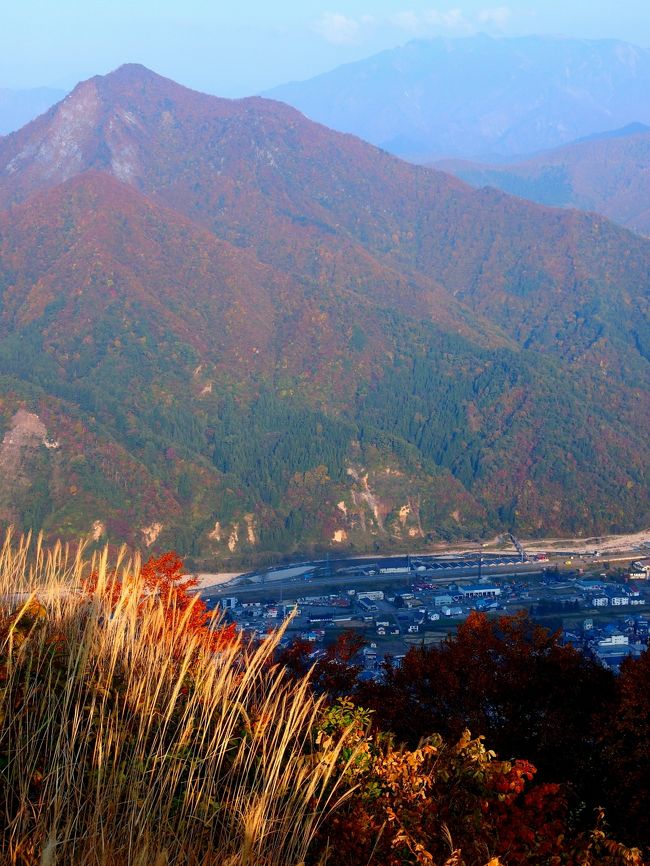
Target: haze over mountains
<point>480,96</point>
<point>18,107</point>
<point>607,173</point>
<point>241,331</point>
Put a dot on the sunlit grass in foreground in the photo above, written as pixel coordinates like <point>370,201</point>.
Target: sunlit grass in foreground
<point>124,739</point>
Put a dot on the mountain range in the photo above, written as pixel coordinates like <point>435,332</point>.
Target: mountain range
<point>480,97</point>
<point>228,329</point>
<point>608,173</point>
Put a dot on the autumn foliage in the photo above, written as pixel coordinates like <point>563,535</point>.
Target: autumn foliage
<point>345,309</point>
<point>625,750</point>
<point>164,578</point>
<point>453,802</point>
<point>571,737</point>
<point>509,678</point>
<point>135,729</point>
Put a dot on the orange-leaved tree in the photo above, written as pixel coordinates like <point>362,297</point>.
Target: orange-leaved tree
<point>164,577</point>
<point>451,802</point>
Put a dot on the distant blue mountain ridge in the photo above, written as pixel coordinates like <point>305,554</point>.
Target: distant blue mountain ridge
<point>481,97</point>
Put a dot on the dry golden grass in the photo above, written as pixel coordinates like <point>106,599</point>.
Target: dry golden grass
<point>124,741</point>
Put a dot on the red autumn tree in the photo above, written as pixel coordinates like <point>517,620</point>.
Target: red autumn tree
<point>624,751</point>
<point>334,672</point>
<point>165,577</point>
<point>509,678</point>
<point>451,803</point>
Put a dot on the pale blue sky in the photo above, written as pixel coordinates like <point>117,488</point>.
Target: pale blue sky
<point>234,49</point>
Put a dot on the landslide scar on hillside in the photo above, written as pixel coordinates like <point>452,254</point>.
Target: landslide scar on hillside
<point>26,433</point>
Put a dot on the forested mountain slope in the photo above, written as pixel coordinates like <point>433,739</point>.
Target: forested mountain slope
<point>609,174</point>
<point>242,331</point>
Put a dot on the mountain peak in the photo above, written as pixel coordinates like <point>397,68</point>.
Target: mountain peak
<point>116,122</point>
<point>104,123</point>
<point>129,70</point>
<point>635,128</point>
<point>134,75</point>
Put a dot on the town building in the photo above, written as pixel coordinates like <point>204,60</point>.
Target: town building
<point>599,601</point>
<point>452,611</point>
<point>642,566</point>
<point>479,590</point>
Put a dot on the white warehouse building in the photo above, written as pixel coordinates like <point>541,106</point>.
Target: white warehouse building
<point>479,590</point>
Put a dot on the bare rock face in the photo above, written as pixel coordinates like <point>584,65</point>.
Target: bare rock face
<point>86,130</point>
<point>150,533</point>
<point>62,149</point>
<point>25,436</point>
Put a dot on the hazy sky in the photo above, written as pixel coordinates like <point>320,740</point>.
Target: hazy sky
<point>236,48</point>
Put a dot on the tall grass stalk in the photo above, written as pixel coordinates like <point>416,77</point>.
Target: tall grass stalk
<point>124,740</point>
